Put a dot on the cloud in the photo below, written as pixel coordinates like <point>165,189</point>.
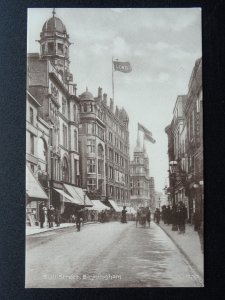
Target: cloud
<point>120,47</point>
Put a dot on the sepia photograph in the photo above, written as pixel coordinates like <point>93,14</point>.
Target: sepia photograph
<point>114,148</point>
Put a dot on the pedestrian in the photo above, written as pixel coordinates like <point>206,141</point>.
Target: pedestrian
<point>124,216</point>
<point>168,215</point>
<point>174,218</point>
<point>78,219</point>
<point>50,216</point>
<point>41,214</point>
<point>197,220</point>
<point>157,216</point>
<point>148,216</point>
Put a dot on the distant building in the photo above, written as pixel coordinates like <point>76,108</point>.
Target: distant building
<point>142,185</point>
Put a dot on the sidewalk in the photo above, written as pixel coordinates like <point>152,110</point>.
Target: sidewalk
<point>189,244</point>
<point>35,230</point>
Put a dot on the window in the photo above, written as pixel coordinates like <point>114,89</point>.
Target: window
<point>89,128</point>
<point>85,107</point>
<point>100,166</point>
<point>90,146</point>
<point>31,115</point>
<point>32,167</point>
<point>75,140</point>
<point>65,136</point>
<point>91,165</point>
<point>51,47</point>
<point>91,184</point>
<point>65,170</point>
<point>63,105</point>
<point>60,48</point>
<point>74,113</point>
<point>31,143</point>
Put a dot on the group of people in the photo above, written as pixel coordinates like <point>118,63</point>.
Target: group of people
<point>48,215</point>
<point>176,216</point>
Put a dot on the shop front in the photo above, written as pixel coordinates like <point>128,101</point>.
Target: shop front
<point>34,196</point>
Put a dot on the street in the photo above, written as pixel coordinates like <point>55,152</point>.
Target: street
<point>106,255</point>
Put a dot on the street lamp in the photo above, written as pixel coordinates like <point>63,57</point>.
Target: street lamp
<point>159,202</point>
<point>85,191</point>
<point>173,169</point>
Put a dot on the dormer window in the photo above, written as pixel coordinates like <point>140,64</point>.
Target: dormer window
<point>60,48</point>
<point>51,47</point>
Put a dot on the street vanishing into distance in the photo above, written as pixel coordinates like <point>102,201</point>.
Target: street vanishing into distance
<point>107,255</point>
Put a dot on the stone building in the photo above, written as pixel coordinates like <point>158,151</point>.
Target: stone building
<point>37,158</point>
<point>142,185</point>
<point>104,148</point>
<point>51,83</point>
<point>185,145</point>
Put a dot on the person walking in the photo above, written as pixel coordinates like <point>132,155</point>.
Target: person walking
<point>157,216</point>
<point>41,215</point>
<point>124,215</point>
<point>50,216</point>
<point>148,216</point>
<point>78,219</point>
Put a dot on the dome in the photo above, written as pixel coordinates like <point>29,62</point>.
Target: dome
<point>123,114</point>
<point>54,24</point>
<point>86,96</point>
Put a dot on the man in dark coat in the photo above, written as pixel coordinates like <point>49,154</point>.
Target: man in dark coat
<point>41,214</point>
<point>124,216</point>
<point>148,216</point>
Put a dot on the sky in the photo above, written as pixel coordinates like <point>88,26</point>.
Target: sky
<point>162,45</point>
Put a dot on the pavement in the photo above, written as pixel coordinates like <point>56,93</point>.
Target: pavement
<point>189,244</point>
<point>107,255</point>
<point>31,230</point>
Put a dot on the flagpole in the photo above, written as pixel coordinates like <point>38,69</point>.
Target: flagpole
<point>112,79</point>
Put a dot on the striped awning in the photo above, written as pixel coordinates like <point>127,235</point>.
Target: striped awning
<point>34,189</point>
<point>67,198</point>
<point>115,206</point>
<point>98,206</point>
<point>78,194</point>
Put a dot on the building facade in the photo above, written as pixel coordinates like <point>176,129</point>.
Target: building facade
<point>142,185</point>
<point>104,148</point>
<point>185,145</point>
<point>51,83</point>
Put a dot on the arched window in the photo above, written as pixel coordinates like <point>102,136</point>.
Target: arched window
<point>75,140</point>
<point>74,113</point>
<point>100,150</point>
<point>85,107</point>
<point>42,151</point>
<point>65,170</point>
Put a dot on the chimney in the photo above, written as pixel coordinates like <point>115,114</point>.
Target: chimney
<point>105,97</point>
<point>100,93</point>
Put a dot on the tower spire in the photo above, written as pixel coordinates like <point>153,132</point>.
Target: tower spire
<point>53,12</point>
<point>138,139</point>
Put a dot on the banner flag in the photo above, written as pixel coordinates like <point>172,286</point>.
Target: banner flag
<point>143,129</point>
<point>149,138</point>
<point>124,67</point>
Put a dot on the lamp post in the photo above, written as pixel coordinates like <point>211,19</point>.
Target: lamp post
<point>159,202</point>
<point>173,168</point>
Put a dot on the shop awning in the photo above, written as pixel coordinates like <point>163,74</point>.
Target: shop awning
<point>78,194</point>
<point>67,198</point>
<point>34,189</point>
<point>115,206</point>
<point>98,205</point>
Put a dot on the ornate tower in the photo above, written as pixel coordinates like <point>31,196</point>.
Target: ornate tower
<point>54,44</point>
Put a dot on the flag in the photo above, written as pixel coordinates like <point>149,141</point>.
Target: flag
<point>149,138</point>
<point>124,67</point>
<point>143,129</point>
